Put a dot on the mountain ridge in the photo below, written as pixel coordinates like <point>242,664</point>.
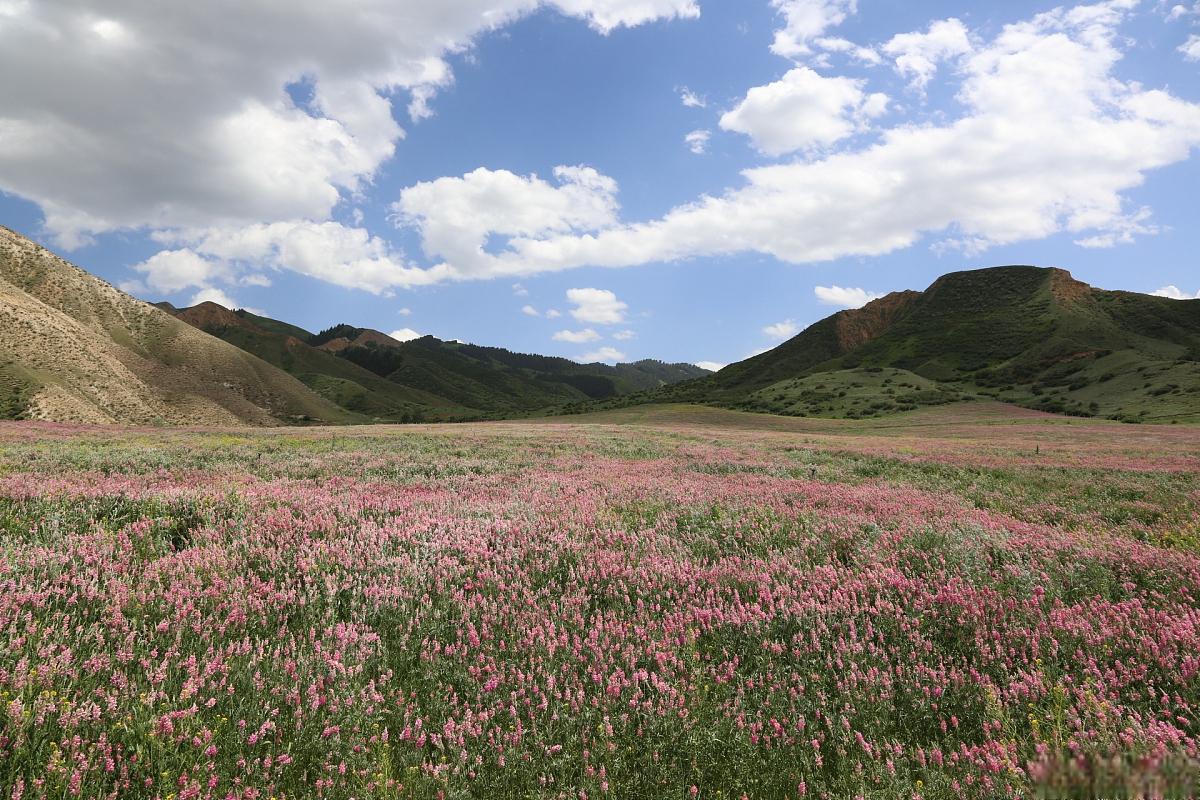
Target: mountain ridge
<point>77,349</point>
<point>366,371</point>
<point>1032,336</point>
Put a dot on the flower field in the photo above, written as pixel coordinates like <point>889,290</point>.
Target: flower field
<point>657,607</point>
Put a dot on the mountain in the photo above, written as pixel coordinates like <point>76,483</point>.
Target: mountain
<point>1027,335</point>
<point>338,380</point>
<point>73,348</point>
<point>367,372</point>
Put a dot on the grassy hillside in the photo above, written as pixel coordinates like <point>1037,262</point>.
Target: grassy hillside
<point>77,349</point>
<point>1024,335</point>
<point>339,380</point>
<point>369,373</point>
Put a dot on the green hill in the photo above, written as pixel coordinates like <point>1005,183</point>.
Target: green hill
<point>337,379</point>
<point>1026,335</point>
<point>367,372</point>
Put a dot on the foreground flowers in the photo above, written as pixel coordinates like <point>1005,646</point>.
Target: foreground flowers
<point>568,612</point>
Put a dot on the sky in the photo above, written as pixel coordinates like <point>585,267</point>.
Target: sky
<point>689,180</point>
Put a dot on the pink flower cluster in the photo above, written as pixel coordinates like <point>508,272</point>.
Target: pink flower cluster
<point>533,615</point>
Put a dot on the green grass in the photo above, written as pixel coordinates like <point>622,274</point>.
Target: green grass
<point>1029,336</point>
<point>851,394</point>
<point>17,386</point>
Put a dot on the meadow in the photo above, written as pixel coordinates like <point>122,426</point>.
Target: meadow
<point>961,602</point>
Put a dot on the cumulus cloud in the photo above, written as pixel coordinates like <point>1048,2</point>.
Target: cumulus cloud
<point>609,355</point>
<point>607,15</point>
<point>1049,140</point>
<point>711,366</point>
<point>917,55</point>
<point>171,271</point>
<point>805,20</point>
<point>456,216</point>
<point>697,141</point>
<point>782,330</point>
<point>127,116</point>
<point>598,306</point>
<point>577,337</point>
<point>530,311</point>
<point>1175,293</point>
<point>330,252</point>
<point>405,335</point>
<point>405,312</point>
<point>553,313</point>
<point>803,110</point>
<point>844,297</point>
<point>211,295</point>
<point>624,336</point>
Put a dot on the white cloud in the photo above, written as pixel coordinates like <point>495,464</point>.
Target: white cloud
<point>607,354</point>
<point>217,296</point>
<point>553,313</point>
<point>181,118</point>
<point>624,336</point>
<point>1122,231</point>
<point>577,337</point>
<point>1180,11</point>
<point>917,55</point>
<point>405,312</point>
<point>1191,48</point>
<point>711,366</point>
<point>456,216</point>
<point>173,270</point>
<point>530,311</point>
<point>805,20</point>
<point>836,44</point>
<point>844,297</point>
<point>1049,141</point>
<point>692,100</point>
<point>405,335</point>
<point>697,141</point>
<point>1175,293</point>
<point>782,330</point>
<point>608,15</point>
<point>803,110</point>
<point>519,290</point>
<point>327,251</point>
<point>598,306</point>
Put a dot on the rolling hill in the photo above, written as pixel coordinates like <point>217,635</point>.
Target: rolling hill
<point>1031,336</point>
<point>367,372</point>
<point>73,348</point>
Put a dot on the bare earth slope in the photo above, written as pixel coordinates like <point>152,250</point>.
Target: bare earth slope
<point>74,348</point>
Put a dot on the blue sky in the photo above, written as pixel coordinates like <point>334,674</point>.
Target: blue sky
<point>530,176</point>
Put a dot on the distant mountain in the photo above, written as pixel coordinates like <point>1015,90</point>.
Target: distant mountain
<point>1026,335</point>
<point>73,348</point>
<point>367,372</point>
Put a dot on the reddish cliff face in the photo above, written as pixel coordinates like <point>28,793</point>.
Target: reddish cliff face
<point>859,326</point>
<point>335,345</point>
<point>208,315</point>
<point>376,338</point>
<point>1065,288</point>
<point>367,337</point>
